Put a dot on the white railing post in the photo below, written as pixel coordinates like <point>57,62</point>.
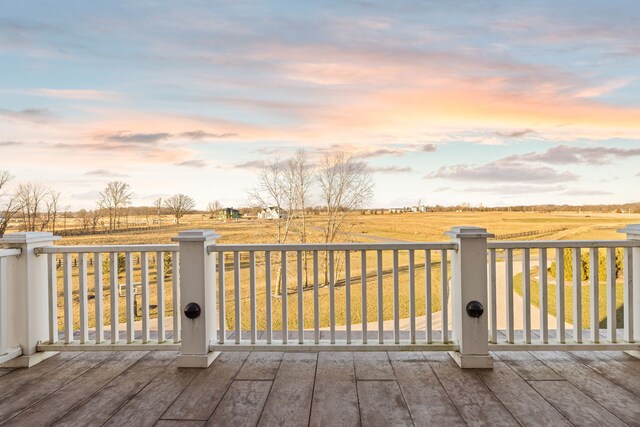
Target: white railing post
<point>28,296</point>
<point>197,291</point>
<point>632,285</point>
<point>469,297</point>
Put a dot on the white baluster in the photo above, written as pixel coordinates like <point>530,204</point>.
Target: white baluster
<point>611,295</point>
<point>427,298</point>
<point>160,295</point>
<point>99,296</point>
<point>544,298</point>
<point>509,282</point>
<point>84,301</point>
<point>594,295</point>
<point>68,299</point>
<point>560,295</point>
<point>114,297</point>
<point>577,296</point>
<point>144,297</point>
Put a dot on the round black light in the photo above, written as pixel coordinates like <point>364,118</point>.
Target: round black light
<point>192,310</point>
<point>475,309</point>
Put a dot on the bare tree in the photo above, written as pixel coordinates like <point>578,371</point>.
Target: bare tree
<point>31,197</point>
<point>274,190</point>
<point>300,177</point>
<point>213,208</point>
<point>113,199</point>
<point>65,214</point>
<point>157,204</point>
<point>180,205</point>
<point>345,185</point>
<point>9,206</point>
<point>51,214</point>
<point>95,219</point>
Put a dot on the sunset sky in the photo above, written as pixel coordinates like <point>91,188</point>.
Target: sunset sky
<point>486,102</point>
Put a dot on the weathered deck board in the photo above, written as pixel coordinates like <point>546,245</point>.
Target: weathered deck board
<point>103,404</point>
<point>260,366</point>
<point>373,365</point>
<point>326,388</point>
<point>75,392</point>
<point>17,378</point>
<point>614,398</point>
<point>335,395</point>
<point>179,423</point>
<point>151,402</point>
<point>33,392</point>
<point>289,402</point>
<point>616,371</point>
<point>382,404</point>
<point>474,400</point>
<point>199,400</point>
<point>427,400</point>
<point>522,401</point>
<point>527,366</point>
<point>242,405</point>
<point>576,406</point>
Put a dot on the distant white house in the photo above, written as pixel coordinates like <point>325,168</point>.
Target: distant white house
<point>272,212</point>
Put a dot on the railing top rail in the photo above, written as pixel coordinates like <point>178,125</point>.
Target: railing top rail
<point>10,252</point>
<point>107,248</point>
<point>548,244</point>
<point>334,247</point>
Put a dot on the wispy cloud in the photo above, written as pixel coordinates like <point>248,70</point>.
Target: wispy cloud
<point>143,138</point>
<point>78,94</point>
<point>515,134</point>
<point>192,163</point>
<point>251,164</point>
<point>34,115</point>
<point>10,143</point>
<point>105,173</point>
<point>200,134</point>
<point>564,154</point>
<point>388,169</point>
<point>504,170</point>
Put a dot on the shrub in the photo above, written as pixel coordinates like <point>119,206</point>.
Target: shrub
<point>121,266</point>
<point>584,265</point>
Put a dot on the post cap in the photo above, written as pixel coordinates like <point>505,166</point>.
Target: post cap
<point>468,232</point>
<point>195,236</point>
<point>28,238</point>
<point>632,231</point>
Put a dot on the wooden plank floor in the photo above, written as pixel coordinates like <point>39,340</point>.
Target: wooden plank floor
<point>323,389</point>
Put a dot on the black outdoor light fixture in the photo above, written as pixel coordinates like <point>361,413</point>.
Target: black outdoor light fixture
<point>192,310</point>
<point>475,309</point>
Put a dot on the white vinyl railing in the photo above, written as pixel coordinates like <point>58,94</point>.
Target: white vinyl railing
<point>7,350</point>
<point>468,296</point>
<point>569,331</point>
<point>358,271</point>
<point>133,273</point>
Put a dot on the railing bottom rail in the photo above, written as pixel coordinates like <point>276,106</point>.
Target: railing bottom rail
<point>328,346</point>
<point>12,353</point>
<point>569,346</point>
<point>108,346</point>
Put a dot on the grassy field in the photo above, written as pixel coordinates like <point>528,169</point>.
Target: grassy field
<point>360,228</point>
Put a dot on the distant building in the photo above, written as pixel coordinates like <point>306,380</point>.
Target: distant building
<point>420,208</point>
<point>272,212</point>
<point>229,213</point>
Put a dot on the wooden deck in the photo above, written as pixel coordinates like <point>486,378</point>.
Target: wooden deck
<point>371,389</point>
